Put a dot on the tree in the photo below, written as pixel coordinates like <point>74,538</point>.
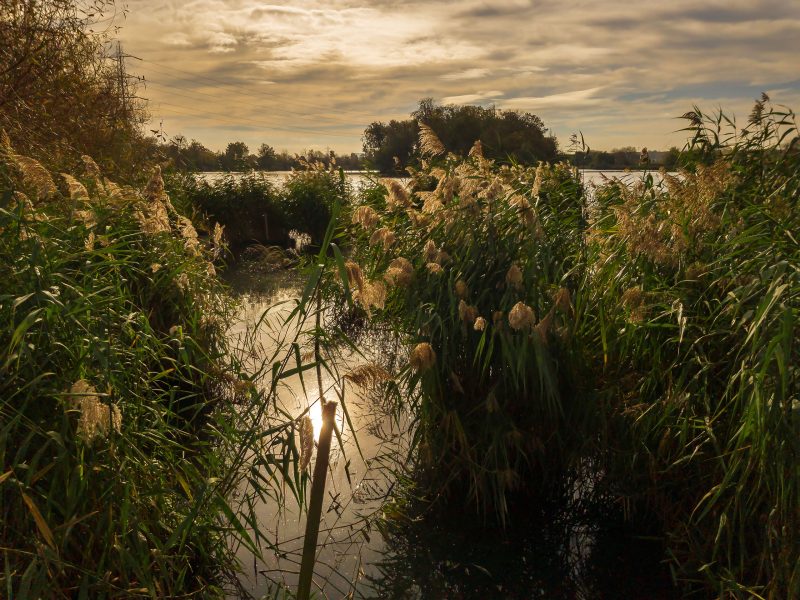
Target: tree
<point>385,142</point>
<point>266,157</point>
<point>506,136</point>
<point>61,94</point>
<point>234,158</point>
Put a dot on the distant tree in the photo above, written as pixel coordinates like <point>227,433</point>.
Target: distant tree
<point>506,136</point>
<point>385,142</point>
<point>266,157</point>
<point>234,158</point>
<point>671,159</point>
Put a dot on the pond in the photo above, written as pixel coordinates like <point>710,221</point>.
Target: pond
<point>577,549</point>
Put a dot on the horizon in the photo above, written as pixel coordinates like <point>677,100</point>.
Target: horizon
<point>301,76</point>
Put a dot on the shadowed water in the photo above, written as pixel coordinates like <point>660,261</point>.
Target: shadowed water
<point>576,547</point>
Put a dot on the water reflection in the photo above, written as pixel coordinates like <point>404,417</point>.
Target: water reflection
<point>559,550</point>
<point>365,450</point>
<point>574,546</point>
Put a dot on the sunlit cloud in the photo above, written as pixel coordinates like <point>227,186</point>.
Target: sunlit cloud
<point>476,73</point>
<point>565,99</point>
<point>476,98</point>
<point>305,73</point>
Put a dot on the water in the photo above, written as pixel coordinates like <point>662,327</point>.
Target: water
<point>359,179</point>
<point>357,482</point>
<point>573,548</point>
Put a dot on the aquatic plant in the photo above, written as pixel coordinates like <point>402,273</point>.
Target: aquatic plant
<point>254,210</point>
<point>126,418</point>
<point>694,300</point>
<point>651,331</point>
<point>492,397</point>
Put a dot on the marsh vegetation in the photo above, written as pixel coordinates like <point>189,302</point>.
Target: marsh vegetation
<point>551,370</point>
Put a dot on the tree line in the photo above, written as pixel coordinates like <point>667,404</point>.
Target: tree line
<point>192,155</point>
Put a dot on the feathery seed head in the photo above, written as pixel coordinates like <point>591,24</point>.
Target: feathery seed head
<point>306,441</point>
<point>429,251</point>
<point>91,168</point>
<point>97,419</point>
<point>434,268</point>
<point>514,276</point>
<point>373,295</point>
<point>429,142</point>
<point>467,313</point>
<point>400,272</point>
<point>422,357</point>
<point>36,177</point>
<point>365,216</point>
<point>75,188</point>
<point>355,276</point>
<point>383,236</point>
<point>521,316</point>
<point>477,150</point>
<point>398,195</point>
<point>442,257</point>
<point>562,301</point>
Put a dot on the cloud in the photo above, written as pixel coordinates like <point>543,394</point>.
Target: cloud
<point>475,98</point>
<point>565,99</point>
<point>475,73</point>
<point>335,66</point>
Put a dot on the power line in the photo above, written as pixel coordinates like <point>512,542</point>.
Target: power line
<point>238,121</point>
<point>193,96</point>
<point>195,76</point>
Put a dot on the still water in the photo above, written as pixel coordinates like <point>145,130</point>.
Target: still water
<point>591,177</point>
<point>574,550</point>
<point>369,448</point>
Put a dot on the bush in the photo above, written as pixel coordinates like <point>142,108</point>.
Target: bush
<point>248,205</point>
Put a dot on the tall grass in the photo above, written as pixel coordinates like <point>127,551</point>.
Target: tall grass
<point>694,301</point>
<point>651,331</point>
<point>479,273</point>
<point>127,420</point>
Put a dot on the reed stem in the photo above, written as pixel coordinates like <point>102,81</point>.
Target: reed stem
<point>315,503</point>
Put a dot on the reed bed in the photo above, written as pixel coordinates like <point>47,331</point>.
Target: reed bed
<point>694,302</point>
<point>127,422</point>
<point>255,210</point>
<point>651,330</point>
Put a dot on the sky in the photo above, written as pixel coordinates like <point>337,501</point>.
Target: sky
<point>306,74</point>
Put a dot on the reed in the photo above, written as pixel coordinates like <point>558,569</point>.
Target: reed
<point>650,330</point>
<point>127,419</point>
<point>694,301</point>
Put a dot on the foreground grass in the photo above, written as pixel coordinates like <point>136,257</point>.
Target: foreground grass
<point>126,421</point>
<point>652,332</point>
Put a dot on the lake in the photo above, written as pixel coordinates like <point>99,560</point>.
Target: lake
<point>591,177</point>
